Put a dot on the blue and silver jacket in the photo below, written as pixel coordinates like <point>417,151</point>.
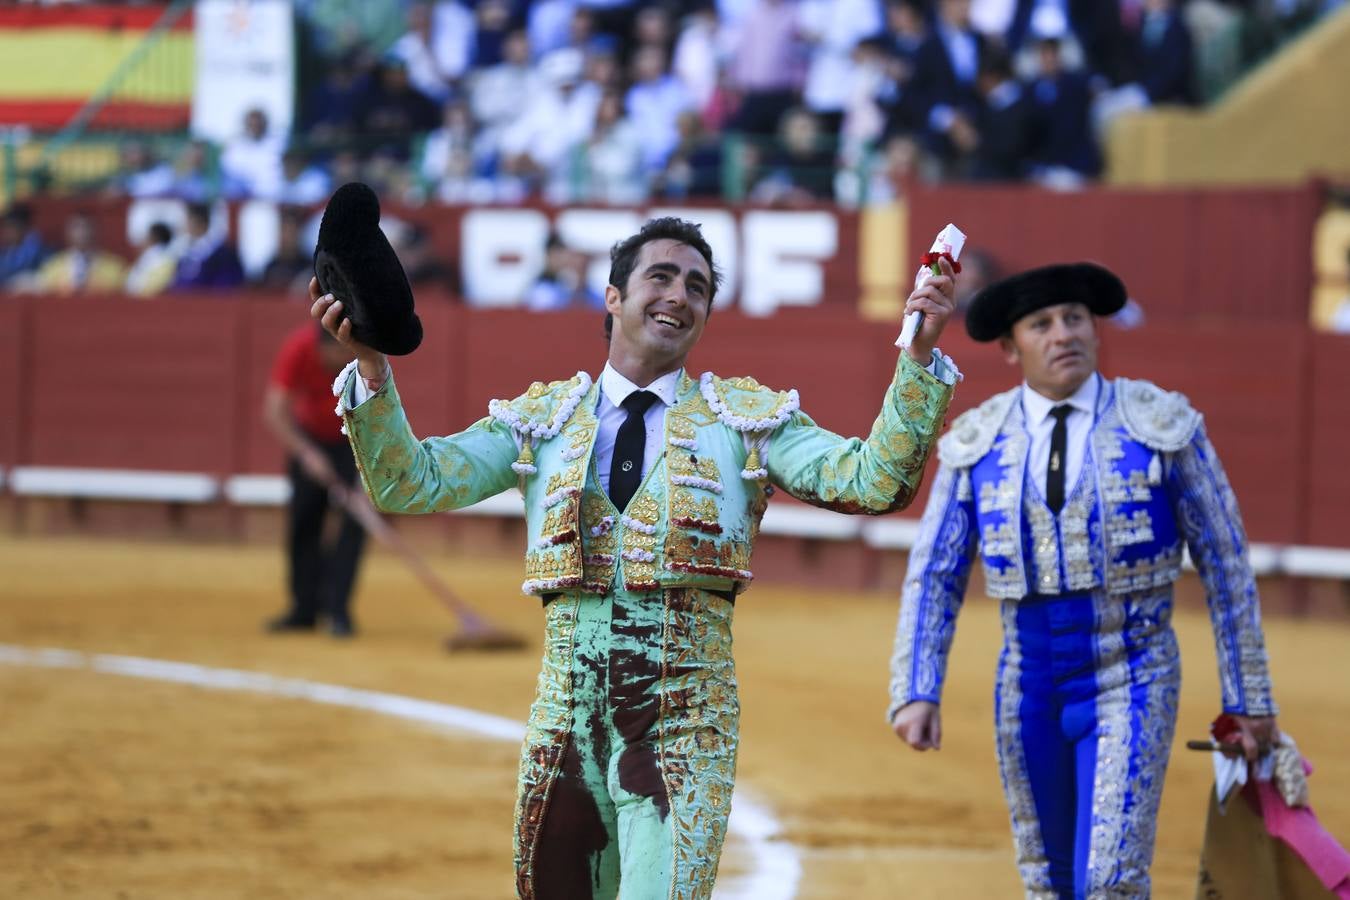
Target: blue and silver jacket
<point>1151,483</point>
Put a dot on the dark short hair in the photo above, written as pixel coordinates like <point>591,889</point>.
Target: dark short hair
<point>161,233</point>
<point>199,211</point>
<point>623,256</point>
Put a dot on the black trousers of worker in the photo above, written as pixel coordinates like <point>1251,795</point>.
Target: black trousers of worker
<point>323,566</point>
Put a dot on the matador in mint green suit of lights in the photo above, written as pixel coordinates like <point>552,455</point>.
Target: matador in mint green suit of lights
<point>630,754</point>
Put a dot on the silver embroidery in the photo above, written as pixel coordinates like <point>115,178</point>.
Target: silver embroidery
<point>1044,545</point>
<point>1209,518</point>
<point>1028,845</point>
<point>1162,420</point>
<point>1133,743</point>
<point>935,585</point>
<point>1004,583</point>
<point>1000,497</point>
<point>1080,569</point>
<point>963,490</point>
<point>1009,580</point>
<point>1117,489</point>
<point>1107,440</point>
<point>1001,539</point>
<point>1114,731</point>
<point>1161,569</point>
<point>1122,530</point>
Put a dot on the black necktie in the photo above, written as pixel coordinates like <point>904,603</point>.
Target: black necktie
<point>625,469</point>
<point>1054,474</point>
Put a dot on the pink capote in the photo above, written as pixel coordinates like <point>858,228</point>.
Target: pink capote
<point>1298,827</point>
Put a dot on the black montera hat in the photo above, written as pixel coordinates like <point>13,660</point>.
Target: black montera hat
<point>354,262</point>
<point>994,310</point>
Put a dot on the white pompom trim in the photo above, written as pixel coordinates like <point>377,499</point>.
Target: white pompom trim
<point>637,525</point>
<point>341,380</point>
<point>338,384</point>
<point>706,484</point>
<point>553,499</point>
<point>745,423</point>
<point>502,411</point>
<point>544,585</point>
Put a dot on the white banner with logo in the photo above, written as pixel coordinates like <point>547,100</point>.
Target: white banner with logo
<point>245,60</point>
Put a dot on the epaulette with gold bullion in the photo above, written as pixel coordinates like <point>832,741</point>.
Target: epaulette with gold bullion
<point>746,405</point>
<point>539,414</point>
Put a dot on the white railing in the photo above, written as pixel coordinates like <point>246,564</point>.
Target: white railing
<point>889,533</point>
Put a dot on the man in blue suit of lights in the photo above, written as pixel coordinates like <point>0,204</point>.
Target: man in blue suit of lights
<point>1077,494</point>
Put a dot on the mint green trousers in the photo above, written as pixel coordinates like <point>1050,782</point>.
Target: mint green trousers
<point>630,753</point>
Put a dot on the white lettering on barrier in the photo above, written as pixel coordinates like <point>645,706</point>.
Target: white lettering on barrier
<point>501,254</point>
<point>593,232</point>
<point>784,254</point>
<point>771,259</point>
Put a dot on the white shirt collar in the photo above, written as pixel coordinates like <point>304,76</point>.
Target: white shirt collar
<point>616,387</point>
<point>1037,406</point>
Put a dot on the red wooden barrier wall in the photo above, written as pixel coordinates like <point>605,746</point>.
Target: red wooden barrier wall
<point>1182,253</point>
<point>136,385</point>
<point>1328,441</point>
<point>12,361</point>
<point>176,385</point>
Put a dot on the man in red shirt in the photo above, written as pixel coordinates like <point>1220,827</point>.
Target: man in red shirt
<point>298,408</point>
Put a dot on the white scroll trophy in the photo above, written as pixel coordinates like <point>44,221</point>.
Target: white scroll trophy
<point>949,240</point>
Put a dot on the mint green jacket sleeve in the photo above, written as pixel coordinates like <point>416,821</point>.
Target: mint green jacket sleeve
<point>405,475</point>
<point>874,476</point>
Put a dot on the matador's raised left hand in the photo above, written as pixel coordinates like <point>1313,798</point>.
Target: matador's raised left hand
<point>936,299</point>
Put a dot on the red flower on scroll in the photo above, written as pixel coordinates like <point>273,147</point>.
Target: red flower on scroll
<point>930,259</point>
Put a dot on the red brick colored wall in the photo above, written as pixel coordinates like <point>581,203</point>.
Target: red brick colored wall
<point>176,385</point>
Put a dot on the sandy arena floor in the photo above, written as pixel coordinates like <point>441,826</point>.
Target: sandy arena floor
<point>121,787</point>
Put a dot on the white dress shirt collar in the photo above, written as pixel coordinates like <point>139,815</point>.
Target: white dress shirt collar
<point>616,387</point>
<point>1037,407</point>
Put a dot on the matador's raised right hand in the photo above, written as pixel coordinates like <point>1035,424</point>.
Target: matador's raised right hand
<point>371,363</point>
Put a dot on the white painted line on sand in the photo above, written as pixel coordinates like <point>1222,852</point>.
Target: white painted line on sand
<point>776,867</point>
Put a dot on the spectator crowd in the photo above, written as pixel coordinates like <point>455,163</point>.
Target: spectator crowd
<point>778,102</point>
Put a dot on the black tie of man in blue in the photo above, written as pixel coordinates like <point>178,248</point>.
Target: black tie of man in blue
<point>1059,443</point>
<point>625,469</point>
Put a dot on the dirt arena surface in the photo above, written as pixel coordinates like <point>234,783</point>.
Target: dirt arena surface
<point>122,787</point>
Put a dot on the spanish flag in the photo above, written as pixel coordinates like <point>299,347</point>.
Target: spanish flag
<point>53,59</point>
